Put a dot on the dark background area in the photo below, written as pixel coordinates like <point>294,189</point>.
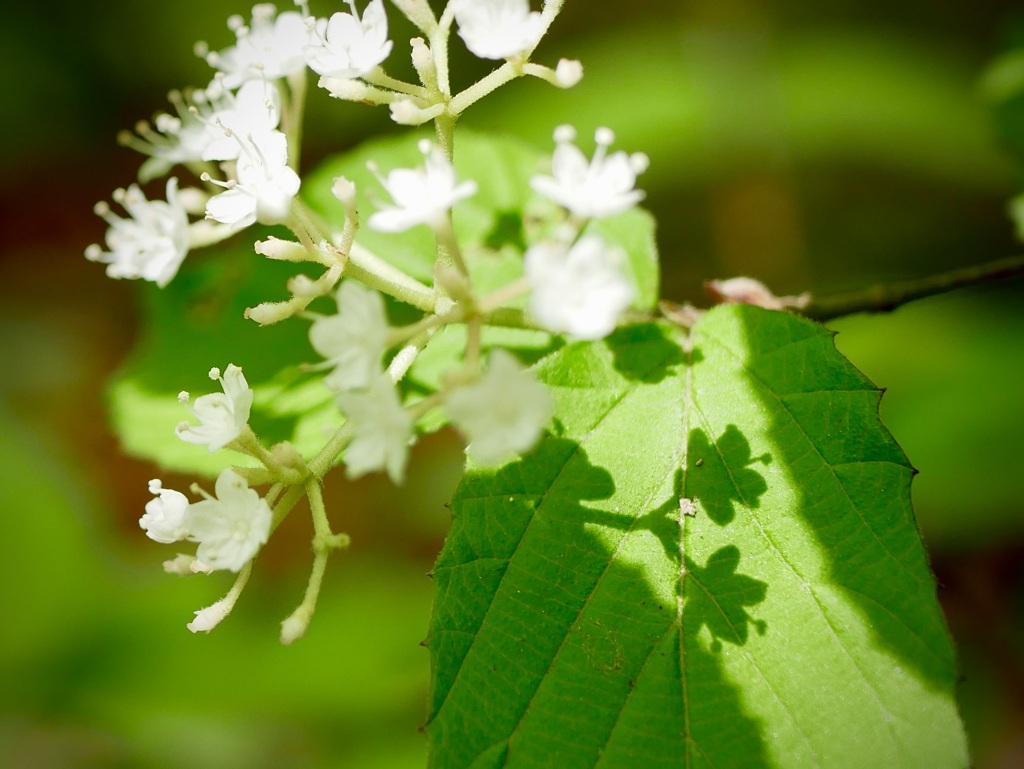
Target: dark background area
<point>816,146</point>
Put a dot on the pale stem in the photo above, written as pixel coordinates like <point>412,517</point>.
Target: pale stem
<point>323,542</point>
<point>448,251</point>
<point>272,493</point>
<point>380,78</point>
<point>419,13</point>
<point>324,460</point>
<point>472,354</point>
<point>366,266</point>
<point>248,443</point>
<point>231,597</point>
<point>285,504</point>
<point>472,94</point>
<point>444,124</point>
<point>348,232</point>
<point>549,12</point>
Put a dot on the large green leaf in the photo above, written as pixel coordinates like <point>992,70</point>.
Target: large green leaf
<point>789,619</point>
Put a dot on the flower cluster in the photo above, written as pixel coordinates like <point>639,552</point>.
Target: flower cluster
<point>239,137</point>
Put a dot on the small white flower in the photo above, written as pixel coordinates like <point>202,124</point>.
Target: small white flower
<point>421,195</point>
<point>581,291</point>
<point>207,619</point>
<point>183,564</point>
<point>254,111</point>
<point>599,188</point>
<point>270,48</point>
<point>164,519</point>
<point>231,527</point>
<point>382,428</point>
<point>182,137</point>
<point>151,244</point>
<point>354,339</point>
<point>347,46</point>
<point>498,29</point>
<point>503,413</point>
<point>222,416</point>
<point>264,188</point>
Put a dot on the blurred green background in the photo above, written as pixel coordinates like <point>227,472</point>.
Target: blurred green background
<point>817,146</point>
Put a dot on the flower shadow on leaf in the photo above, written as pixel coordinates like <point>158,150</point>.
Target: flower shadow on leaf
<point>721,599</point>
<point>720,474</point>
<point>540,593</point>
<point>635,347</point>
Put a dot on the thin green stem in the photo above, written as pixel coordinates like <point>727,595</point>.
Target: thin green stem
<point>380,78</point>
<point>366,266</point>
<point>444,124</point>
<point>419,13</point>
<point>472,354</point>
<point>323,543</point>
<point>285,505</point>
<point>324,460</point>
<point>887,297</point>
<point>448,252</point>
<point>472,94</point>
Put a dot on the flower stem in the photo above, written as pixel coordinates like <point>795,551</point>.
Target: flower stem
<point>322,462</point>
<point>285,505</point>
<point>380,78</point>
<point>366,266</point>
<point>464,99</point>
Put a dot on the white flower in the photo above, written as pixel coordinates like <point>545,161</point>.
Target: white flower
<point>222,416</point>
<point>382,428</point>
<point>347,46</point>
<point>231,527</point>
<point>270,48</point>
<point>164,519</point>
<point>602,187</point>
<point>207,619</point>
<point>254,111</point>
<point>264,188</point>
<point>582,291</point>
<point>151,244</point>
<point>498,29</point>
<point>421,195</point>
<point>503,413</point>
<point>354,339</point>
<point>182,137</point>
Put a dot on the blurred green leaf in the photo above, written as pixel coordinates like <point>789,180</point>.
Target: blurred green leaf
<point>581,619</point>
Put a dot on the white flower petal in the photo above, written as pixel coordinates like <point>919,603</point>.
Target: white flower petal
<point>601,187</point>
<point>232,527</point>
<point>502,414</point>
<point>581,291</point>
<point>497,29</point>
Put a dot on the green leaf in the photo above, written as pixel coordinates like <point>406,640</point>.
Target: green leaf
<point>788,620</point>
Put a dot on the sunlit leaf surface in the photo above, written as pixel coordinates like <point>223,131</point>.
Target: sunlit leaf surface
<point>711,562</point>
